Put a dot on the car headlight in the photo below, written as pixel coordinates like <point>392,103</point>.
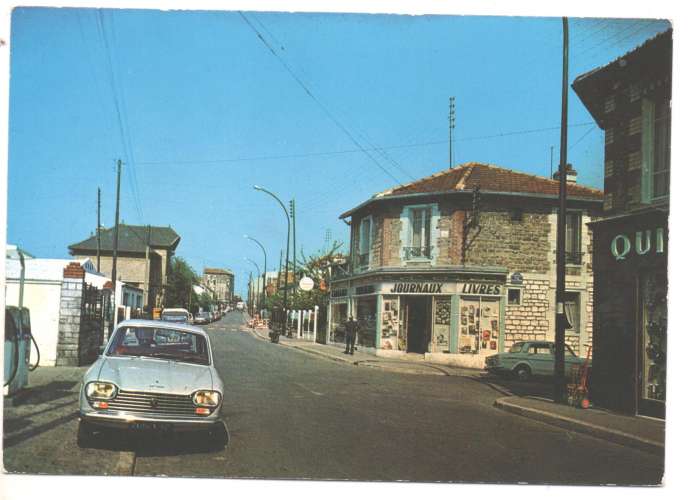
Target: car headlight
<point>207,398</point>
<point>101,390</point>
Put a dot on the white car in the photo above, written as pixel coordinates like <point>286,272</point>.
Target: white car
<point>153,376</point>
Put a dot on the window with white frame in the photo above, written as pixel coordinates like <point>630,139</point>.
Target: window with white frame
<point>572,310</point>
<point>419,246</point>
<point>365,229</point>
<point>573,238</point>
<point>656,148</point>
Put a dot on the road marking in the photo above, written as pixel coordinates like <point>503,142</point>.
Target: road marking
<point>309,390</point>
<point>125,463</point>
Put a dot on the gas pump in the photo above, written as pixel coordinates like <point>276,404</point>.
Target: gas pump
<point>18,340</point>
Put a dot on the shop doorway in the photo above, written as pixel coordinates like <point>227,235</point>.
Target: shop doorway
<point>418,314</point>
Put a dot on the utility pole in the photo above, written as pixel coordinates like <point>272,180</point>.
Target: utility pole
<point>560,323</point>
<point>452,121</point>
<point>115,238</point>
<point>147,275</point>
<point>98,236</point>
<point>292,209</point>
<point>250,293</point>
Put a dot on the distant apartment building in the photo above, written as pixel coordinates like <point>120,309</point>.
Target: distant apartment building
<point>144,254</point>
<point>220,282</point>
<point>461,264</point>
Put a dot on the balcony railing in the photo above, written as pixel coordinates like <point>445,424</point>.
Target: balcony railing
<point>414,253</point>
<point>575,258</point>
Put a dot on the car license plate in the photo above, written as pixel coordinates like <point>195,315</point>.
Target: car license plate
<point>150,426</point>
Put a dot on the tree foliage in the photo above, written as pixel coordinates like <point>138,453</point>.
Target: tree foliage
<point>316,266</point>
<point>180,283</point>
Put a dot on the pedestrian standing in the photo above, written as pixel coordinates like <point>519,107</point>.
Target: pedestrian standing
<point>351,330</point>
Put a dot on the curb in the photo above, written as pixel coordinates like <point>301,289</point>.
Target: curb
<point>321,354</point>
<point>415,370</point>
<point>615,436</point>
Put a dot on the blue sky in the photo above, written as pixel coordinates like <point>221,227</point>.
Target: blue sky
<point>207,110</point>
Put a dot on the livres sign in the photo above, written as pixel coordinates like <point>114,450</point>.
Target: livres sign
<point>480,288</point>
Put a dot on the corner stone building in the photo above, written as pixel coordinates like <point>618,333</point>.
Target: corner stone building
<point>143,257</point>
<point>461,264</point>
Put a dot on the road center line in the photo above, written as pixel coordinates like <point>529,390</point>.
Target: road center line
<point>309,390</point>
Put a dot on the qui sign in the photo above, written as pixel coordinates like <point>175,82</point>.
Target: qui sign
<point>642,243</point>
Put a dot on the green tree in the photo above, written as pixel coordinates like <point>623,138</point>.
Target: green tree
<point>180,283</point>
<point>317,267</point>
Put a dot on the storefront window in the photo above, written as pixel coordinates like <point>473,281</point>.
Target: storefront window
<point>366,315</point>
<point>390,323</point>
<point>339,317</point>
<point>654,325</point>
<point>479,325</point>
<point>440,330</point>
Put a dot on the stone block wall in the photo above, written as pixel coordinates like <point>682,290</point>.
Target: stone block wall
<point>530,320</point>
<point>517,245</point>
<point>78,336</point>
<point>69,329</point>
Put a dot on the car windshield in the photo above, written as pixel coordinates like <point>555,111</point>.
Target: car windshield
<point>517,347</point>
<point>162,343</point>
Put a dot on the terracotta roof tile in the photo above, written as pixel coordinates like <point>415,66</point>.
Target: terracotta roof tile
<point>490,178</point>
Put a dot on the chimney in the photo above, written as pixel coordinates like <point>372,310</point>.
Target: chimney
<point>571,174</point>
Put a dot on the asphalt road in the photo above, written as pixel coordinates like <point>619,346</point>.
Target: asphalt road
<point>293,415</point>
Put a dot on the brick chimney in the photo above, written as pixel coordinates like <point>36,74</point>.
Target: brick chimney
<point>571,174</point>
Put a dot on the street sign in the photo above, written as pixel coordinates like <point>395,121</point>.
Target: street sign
<point>306,284</point>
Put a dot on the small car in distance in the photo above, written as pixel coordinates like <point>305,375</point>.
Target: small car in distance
<point>176,315</point>
<point>153,377</point>
<point>526,360</point>
<point>202,318</point>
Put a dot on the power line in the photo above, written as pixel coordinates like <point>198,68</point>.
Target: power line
<point>316,100</point>
<point>113,86</point>
<point>365,138</point>
<point>349,151</point>
<point>127,129</point>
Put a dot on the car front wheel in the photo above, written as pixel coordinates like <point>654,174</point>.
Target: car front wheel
<point>522,373</point>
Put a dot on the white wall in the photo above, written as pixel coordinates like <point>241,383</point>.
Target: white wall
<point>43,300</point>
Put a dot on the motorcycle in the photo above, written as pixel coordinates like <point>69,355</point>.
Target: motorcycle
<point>274,332</point>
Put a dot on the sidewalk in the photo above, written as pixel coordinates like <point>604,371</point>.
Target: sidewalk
<point>643,433</point>
<point>639,432</point>
<point>335,352</point>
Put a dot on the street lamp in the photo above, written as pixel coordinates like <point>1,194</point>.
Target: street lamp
<point>286,260</point>
<point>257,269</point>
<point>265,265</point>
